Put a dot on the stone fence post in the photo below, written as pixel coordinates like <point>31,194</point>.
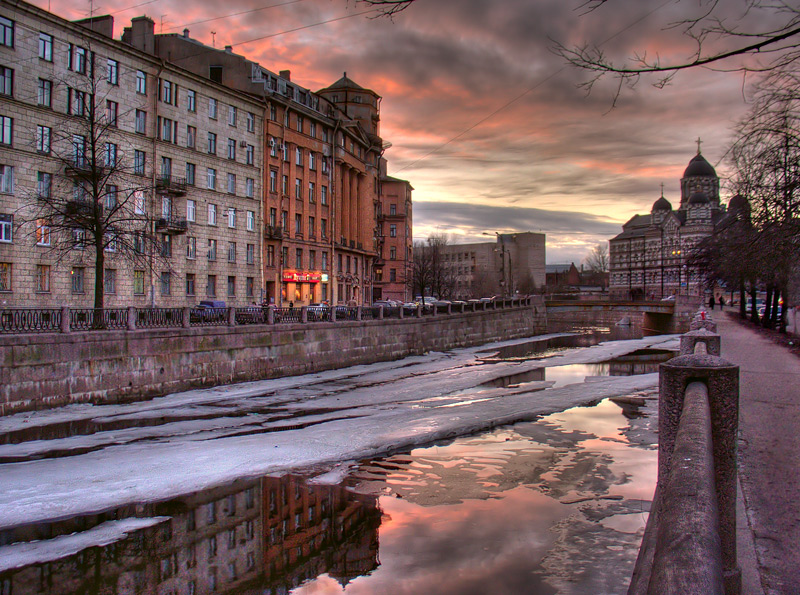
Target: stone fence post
<point>64,319</point>
<point>231,316</point>
<point>358,312</point>
<point>270,314</point>
<point>722,381</point>
<point>333,313</point>
<point>131,318</point>
<point>303,314</point>
<point>380,312</point>
<point>187,317</point>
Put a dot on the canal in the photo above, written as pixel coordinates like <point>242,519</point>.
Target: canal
<point>553,503</point>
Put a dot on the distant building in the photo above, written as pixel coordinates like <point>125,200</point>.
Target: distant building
<point>649,258</point>
<point>394,263</point>
<point>514,263</point>
<point>562,275</point>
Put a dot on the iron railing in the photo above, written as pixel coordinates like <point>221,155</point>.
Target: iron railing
<point>30,320</point>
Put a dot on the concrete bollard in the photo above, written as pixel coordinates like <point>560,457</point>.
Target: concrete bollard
<point>64,319</point>
<point>434,310</point>
<point>722,380</point>
<point>419,310</point>
<point>701,335</point>
<point>401,314</point>
<point>380,312</point>
<point>131,318</point>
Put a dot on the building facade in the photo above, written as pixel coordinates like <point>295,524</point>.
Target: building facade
<point>394,265</point>
<point>322,152</point>
<point>515,263</point>
<point>650,258</point>
<point>175,160</point>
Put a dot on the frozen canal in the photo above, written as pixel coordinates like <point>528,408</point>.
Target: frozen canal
<point>499,469</point>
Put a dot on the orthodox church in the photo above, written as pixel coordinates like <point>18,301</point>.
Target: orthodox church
<point>649,258</point>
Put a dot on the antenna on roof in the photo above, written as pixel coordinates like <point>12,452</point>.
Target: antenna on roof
<point>213,39</point>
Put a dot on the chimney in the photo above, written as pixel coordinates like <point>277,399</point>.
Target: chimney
<point>141,34</point>
<point>285,74</point>
<point>228,49</point>
<point>186,34</point>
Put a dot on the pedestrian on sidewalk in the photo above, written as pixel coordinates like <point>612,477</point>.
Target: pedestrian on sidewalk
<point>721,302</point>
<point>711,301</point>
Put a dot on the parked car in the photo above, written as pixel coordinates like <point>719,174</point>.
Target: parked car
<point>317,312</point>
<point>209,311</point>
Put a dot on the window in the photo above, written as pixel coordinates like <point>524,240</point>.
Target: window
<point>270,255</point>
<point>285,152</point>
<point>138,162</point>
<point>231,115</point>
<point>392,275</point>
<point>323,228</point>
<point>299,123</point>
<point>138,242</point>
<point>110,199</point>
<point>212,214</point>
<point>231,251</point>
<point>298,156</point>
<point>231,183</point>
<point>190,172</point>
<point>273,216</point>
<point>138,202</point>
<point>112,109</point>
<point>6,228</point>
<point>6,130</point>
<point>138,282</point>
<point>191,135</point>
<point>211,178</point>
<point>166,207</point>
<point>323,194</point>
<point>251,122</point>
<point>112,71</point>
<point>311,224</point>
<point>312,259</point>
<point>298,258</point>
<point>212,249</point>
<point>77,102</point>
<point>110,155</point>
<point>190,284</point>
<point>44,93</point>
<point>166,167</point>
<point>250,290</point>
<point>46,47</point>
<point>212,108</point>
<point>273,180</point>
<point>312,129</point>
<point>78,57</point>
<point>231,217</point>
<point>393,209</point>
<point>212,143</point>
<point>191,248</point>
<point>141,122</point>
<point>312,161</point>
<point>231,148</point>
<point>6,81</point>
<point>249,187</point>
<point>6,269</point>
<point>284,256</point>
<point>79,150</point>
<point>251,253</point>
<point>43,134</point>
<point>285,221</point>
<point>324,261</point>
<point>285,185</point>
<point>393,231</point>
<point>311,192</point>
<point>298,188</point>
<point>168,130</point>
<point>6,179</point>
<point>191,210</point>
<point>393,253</point>
<point>110,281</point>
<point>211,291</point>
<point>44,184</point>
<point>42,278</point>
<point>166,91</point>
<point>251,220</point>
<point>6,32</point>
<point>141,82</point>
<point>166,283</point>
<point>298,223</point>
<point>250,155</point>
<point>273,112</point>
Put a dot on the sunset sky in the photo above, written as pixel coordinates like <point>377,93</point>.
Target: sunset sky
<point>485,121</point>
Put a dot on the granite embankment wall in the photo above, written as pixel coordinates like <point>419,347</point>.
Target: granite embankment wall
<point>49,370</point>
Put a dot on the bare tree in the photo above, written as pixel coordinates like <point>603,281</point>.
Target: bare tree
<point>766,34</point>
<point>597,259</point>
<point>93,207</point>
<point>430,274</point>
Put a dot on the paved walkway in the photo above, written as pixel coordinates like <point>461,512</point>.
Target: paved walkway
<point>769,454</point>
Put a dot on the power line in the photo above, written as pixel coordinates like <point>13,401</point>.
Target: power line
<point>233,14</point>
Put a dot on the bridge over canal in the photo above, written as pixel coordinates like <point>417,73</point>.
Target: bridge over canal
<point>660,317</point>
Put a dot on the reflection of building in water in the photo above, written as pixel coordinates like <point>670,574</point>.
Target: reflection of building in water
<point>223,540</point>
<point>312,529</point>
<point>211,542</point>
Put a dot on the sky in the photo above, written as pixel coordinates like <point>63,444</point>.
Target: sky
<point>486,122</point>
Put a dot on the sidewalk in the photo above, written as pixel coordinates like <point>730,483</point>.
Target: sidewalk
<point>769,455</point>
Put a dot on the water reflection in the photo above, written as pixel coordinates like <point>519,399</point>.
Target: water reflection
<point>268,532</point>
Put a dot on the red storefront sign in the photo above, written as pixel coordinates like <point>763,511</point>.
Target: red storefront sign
<point>295,277</point>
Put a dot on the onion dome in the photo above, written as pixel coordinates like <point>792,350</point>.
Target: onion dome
<point>662,204</point>
<point>738,203</point>
<point>698,166</point>
<point>698,197</point>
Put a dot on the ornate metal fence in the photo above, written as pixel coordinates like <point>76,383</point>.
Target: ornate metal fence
<point>90,319</point>
<point>29,320</point>
<point>159,317</point>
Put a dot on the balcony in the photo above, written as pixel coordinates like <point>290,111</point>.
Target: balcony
<point>79,209</point>
<point>273,232</point>
<point>171,225</point>
<point>171,185</point>
<point>84,170</point>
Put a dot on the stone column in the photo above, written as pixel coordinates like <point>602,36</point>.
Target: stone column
<point>345,232</point>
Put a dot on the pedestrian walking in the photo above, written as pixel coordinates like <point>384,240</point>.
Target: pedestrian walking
<point>721,302</point>
<point>711,302</point>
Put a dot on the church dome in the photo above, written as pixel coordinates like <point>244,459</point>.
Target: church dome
<point>698,197</point>
<point>698,166</point>
<point>662,204</point>
<point>738,203</point>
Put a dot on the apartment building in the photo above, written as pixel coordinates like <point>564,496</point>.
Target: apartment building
<point>393,268</point>
<point>175,159</point>
<point>321,184</point>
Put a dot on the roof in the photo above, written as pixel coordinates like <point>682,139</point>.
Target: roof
<point>557,268</point>
<point>698,166</point>
<point>662,204</point>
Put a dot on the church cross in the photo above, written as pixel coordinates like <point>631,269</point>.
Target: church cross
<point>698,141</point>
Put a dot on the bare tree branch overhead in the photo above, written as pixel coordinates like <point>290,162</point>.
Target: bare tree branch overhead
<point>765,35</point>
<point>389,7</point>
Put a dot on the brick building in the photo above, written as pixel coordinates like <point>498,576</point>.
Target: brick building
<point>185,156</point>
<point>395,244</point>
<point>322,150</point>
